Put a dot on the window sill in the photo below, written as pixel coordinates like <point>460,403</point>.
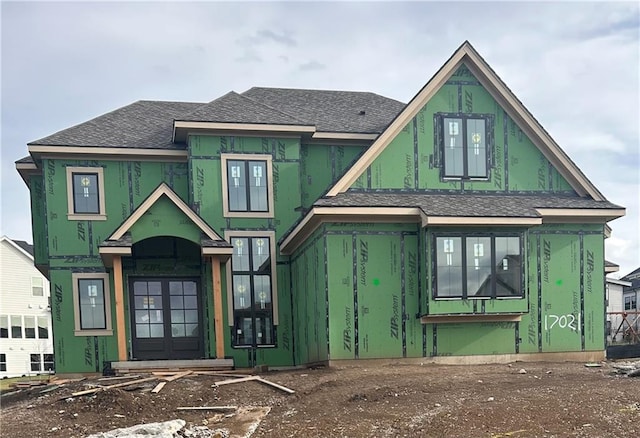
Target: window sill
<point>476,298</point>
<point>106,332</point>
<point>475,317</point>
<point>463,178</point>
<point>249,214</point>
<point>86,217</point>
<point>246,347</point>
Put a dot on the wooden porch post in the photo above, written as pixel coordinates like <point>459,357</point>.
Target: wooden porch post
<point>217,307</point>
<point>119,294</point>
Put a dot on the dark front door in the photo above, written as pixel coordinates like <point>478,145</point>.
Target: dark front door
<point>166,318</point>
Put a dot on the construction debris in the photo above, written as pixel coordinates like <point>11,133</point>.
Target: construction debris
<point>630,369</point>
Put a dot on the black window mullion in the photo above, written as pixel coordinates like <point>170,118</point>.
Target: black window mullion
<point>465,148</point>
<point>463,243</point>
<point>246,186</point>
<point>493,267</point>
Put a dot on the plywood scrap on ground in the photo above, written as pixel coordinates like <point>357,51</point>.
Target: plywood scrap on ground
<point>158,387</point>
<point>275,385</point>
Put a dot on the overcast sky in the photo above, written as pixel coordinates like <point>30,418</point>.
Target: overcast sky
<point>573,65</point>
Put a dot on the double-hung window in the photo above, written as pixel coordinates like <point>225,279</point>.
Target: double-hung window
<point>464,145</point>
<point>85,193</point>
<point>37,286</point>
<point>478,266</point>
<point>92,304</point>
<point>630,302</point>
<point>247,185</point>
<point>252,288</point>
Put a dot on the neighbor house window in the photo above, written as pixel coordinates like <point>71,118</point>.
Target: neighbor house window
<point>30,327</point>
<point>464,145</point>
<point>35,362</point>
<point>630,302</point>
<point>16,327</point>
<point>43,327</point>
<point>3,362</point>
<point>4,326</point>
<point>85,193</point>
<point>37,286</point>
<point>247,185</point>
<point>48,362</point>
<point>478,266</point>
<point>252,288</point>
<point>92,308</point>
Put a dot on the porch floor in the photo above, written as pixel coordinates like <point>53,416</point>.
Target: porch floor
<point>171,365</point>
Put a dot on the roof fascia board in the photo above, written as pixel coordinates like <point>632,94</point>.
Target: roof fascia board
<point>26,170</point>
<point>517,111</point>
<point>343,136</point>
<point>112,153</point>
<point>398,123</point>
<point>180,128</point>
<point>16,246</point>
<point>580,213</point>
<point>318,215</point>
<point>163,189</point>
<point>618,282</point>
<point>473,220</point>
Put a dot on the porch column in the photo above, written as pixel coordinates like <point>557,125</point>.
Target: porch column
<point>119,294</point>
<point>217,307</point>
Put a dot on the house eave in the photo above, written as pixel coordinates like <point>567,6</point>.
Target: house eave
<point>181,129</point>
<point>107,153</point>
<point>583,215</point>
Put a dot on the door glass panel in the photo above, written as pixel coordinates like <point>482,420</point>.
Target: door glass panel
<point>177,330</point>
<point>142,316</point>
<point>241,292</point>
<point>190,302</point>
<point>176,302</point>
<point>191,316</point>
<point>175,288</point>
<point>177,316</point>
<point>142,331</point>
<point>155,288</point>
<point>191,329</point>
<point>157,330</point>
<point>190,288</point>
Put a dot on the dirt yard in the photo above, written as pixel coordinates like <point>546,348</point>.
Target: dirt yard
<point>384,400</point>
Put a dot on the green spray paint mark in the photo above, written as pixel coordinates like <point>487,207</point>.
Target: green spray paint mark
<point>559,282</point>
<point>376,282</point>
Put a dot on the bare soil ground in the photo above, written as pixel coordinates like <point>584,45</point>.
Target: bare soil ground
<point>383,400</point>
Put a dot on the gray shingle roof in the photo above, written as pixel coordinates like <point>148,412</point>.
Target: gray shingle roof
<point>467,205</point>
<point>235,108</point>
<point>27,159</point>
<point>24,245</point>
<point>143,124</point>
<point>332,111</point>
<point>149,124</point>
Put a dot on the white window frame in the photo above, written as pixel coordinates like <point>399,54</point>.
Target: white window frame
<point>34,281</point>
<point>225,185</point>
<point>79,331</point>
<point>102,213</point>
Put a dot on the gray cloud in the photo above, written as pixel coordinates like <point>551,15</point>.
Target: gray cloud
<point>312,66</point>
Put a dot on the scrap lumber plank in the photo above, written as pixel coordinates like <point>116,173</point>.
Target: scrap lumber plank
<point>207,408</point>
<point>118,385</point>
<point>177,376</point>
<point>231,381</point>
<point>275,385</point>
<point>216,373</point>
<point>119,378</point>
<point>158,387</point>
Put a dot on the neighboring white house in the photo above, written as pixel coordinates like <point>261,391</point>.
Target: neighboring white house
<point>615,303</point>
<point>26,338</point>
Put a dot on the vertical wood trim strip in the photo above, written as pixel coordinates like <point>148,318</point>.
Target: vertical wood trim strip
<point>217,307</point>
<point>119,296</point>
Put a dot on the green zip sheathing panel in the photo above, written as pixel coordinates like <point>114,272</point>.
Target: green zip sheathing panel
<point>413,159</point>
<point>563,309</point>
<point>473,339</point>
<point>373,299</point>
<point>309,301</point>
<point>321,166</point>
<point>76,354</point>
<point>164,218</point>
<point>38,220</point>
